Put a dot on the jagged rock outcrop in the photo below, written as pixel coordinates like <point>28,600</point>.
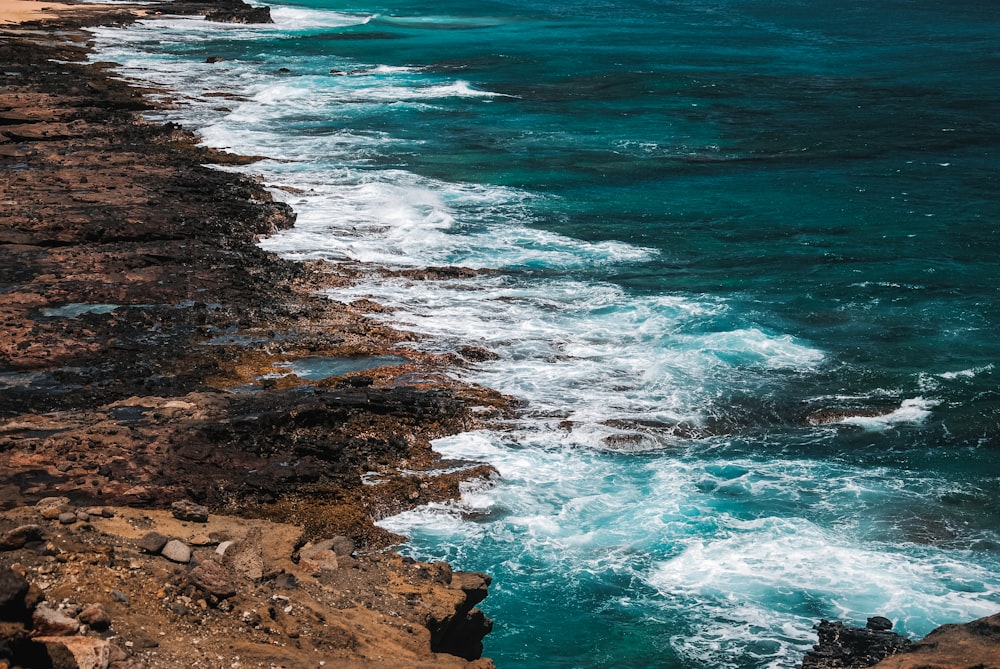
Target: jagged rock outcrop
<point>845,647</point>
<point>972,645</point>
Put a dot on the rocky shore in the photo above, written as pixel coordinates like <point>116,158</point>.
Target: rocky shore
<point>146,369</point>
<point>172,493</point>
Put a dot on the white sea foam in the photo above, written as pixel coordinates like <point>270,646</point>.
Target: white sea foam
<point>914,410</point>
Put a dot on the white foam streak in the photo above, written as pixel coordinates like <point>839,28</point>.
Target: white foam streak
<point>915,410</point>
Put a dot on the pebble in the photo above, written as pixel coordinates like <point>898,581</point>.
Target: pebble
<point>67,517</point>
<point>176,551</point>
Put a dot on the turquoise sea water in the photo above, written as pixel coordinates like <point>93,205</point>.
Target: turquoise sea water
<point>747,261</point>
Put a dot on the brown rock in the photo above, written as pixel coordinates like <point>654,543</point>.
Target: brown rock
<point>77,652</point>
<point>246,556</point>
<point>47,621</point>
<point>318,557</point>
<point>96,617</point>
<point>212,578</point>
<point>974,645</point>
<point>19,536</point>
<point>188,510</point>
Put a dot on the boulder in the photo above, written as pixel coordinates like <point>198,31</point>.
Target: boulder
<point>13,588</point>
<point>970,645</point>
<point>845,647</point>
<point>176,550</point>
<point>318,557</point>
<point>187,510</point>
<point>96,617</point>
<point>76,652</point>
<point>19,536</point>
<point>212,578</point>
<point>246,556</point>
<point>152,542</point>
<point>47,621</point>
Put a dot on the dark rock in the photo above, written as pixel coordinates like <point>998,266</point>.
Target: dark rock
<point>844,647</point>
<point>214,59</point>
<point>187,510</point>
<point>213,579</point>
<point>879,624</point>
<point>13,588</point>
<point>152,542</point>
<point>67,518</point>
<point>237,11</point>
<point>286,581</point>
<point>120,596</point>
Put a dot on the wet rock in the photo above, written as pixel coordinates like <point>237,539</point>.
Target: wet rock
<point>187,510</point>
<point>214,59</point>
<point>237,11</point>
<point>152,542</point>
<point>879,624</point>
<point>844,647</point>
<point>95,616</point>
<point>47,621</point>
<point>77,652</point>
<point>212,578</point>
<point>19,536</point>
<point>176,550</point>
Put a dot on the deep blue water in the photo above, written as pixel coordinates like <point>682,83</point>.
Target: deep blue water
<point>747,289</point>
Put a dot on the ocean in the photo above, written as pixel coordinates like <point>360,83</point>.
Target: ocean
<point>740,266</point>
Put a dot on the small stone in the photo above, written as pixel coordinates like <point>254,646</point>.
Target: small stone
<point>76,652</point>
<point>213,579</point>
<point>120,596</point>
<point>152,542</point>
<point>188,510</point>
<point>47,621</point>
<point>286,581</point>
<point>19,536</point>
<point>64,467</point>
<point>200,540</point>
<point>67,517</point>
<point>223,547</point>
<point>96,617</point>
<point>176,551</point>
<point>82,516</point>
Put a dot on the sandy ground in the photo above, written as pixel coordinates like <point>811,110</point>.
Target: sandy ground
<point>16,11</point>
